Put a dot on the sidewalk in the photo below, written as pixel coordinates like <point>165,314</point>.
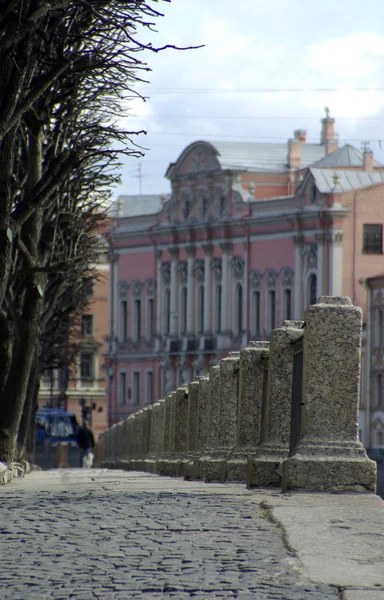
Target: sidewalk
<point>98,534</point>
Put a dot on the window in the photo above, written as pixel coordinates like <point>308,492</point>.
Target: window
<point>218,309</point>
<point>379,438</point>
<point>149,395</point>
<point>204,205</point>
<point>88,286</point>
<point>47,379</point>
<point>373,239</point>
<point>167,311</point>
<point>187,209</point>
<point>137,320</point>
<point>200,309</point>
<point>379,330</point>
<point>136,389</point>
<point>150,318</point>
<point>86,366</point>
<point>312,289</point>
<point>256,313</point>
<point>122,392</point>
<point>87,325</point>
<point>183,321</point>
<point>379,390</point>
<point>287,305</point>
<point>239,309</point>
<point>124,320</point>
<point>272,309</point>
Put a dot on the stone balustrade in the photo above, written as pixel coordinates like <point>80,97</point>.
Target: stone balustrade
<point>280,413</point>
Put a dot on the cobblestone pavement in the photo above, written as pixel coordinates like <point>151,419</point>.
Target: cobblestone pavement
<point>115,535</point>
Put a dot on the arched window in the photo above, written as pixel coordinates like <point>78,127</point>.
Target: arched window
<point>256,313</point>
<point>204,206</point>
<point>124,319</point>
<point>183,320</point>
<point>137,320</point>
<point>239,308</point>
<point>272,309</point>
<point>287,306</point>
<point>187,209</point>
<point>218,309</point>
<point>312,289</point>
<point>200,310</point>
<point>167,311</point>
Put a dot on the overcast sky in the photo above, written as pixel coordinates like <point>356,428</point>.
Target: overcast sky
<point>212,93</point>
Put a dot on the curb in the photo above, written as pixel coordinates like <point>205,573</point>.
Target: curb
<point>10,471</point>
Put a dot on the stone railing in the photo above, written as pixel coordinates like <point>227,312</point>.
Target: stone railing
<point>281,413</point>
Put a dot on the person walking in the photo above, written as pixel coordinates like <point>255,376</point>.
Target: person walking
<point>86,443</point>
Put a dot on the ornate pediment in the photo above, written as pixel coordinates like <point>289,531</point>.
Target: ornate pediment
<point>198,160</point>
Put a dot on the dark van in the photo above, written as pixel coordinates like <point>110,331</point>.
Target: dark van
<point>55,425</point>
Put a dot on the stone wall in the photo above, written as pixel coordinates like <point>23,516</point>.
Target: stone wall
<point>280,413</point>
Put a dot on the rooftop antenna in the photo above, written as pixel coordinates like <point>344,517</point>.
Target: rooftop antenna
<point>140,177</point>
<point>365,146</point>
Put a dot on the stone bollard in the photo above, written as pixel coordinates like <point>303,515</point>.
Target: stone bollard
<point>164,465</point>
<point>62,455</point>
<point>264,468</point>
<point>181,431</point>
<point>328,456</point>
<point>208,419</point>
<point>250,396</point>
<point>192,428</point>
<point>213,465</point>
<point>193,470</point>
<point>144,430</point>
<point>155,449</point>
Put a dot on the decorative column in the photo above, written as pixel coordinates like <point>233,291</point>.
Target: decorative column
<point>335,241</point>
<point>173,325</point>
<point>320,264</point>
<point>298,241</point>
<point>208,249</point>
<point>190,289</point>
<point>329,456</point>
<point>158,293</point>
<point>226,294</point>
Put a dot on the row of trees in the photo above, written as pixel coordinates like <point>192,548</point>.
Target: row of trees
<point>66,69</point>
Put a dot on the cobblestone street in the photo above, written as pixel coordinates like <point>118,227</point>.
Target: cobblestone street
<point>94,534</point>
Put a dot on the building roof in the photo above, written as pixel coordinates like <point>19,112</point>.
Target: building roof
<point>347,156</point>
<point>262,157</point>
<point>138,205</point>
<point>347,180</point>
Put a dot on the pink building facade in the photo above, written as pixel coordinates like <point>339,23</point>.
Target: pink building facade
<point>250,236</point>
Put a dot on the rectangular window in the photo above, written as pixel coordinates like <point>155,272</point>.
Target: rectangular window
<point>88,284</point>
<point>256,313</point>
<point>136,389</point>
<point>373,239</point>
<point>167,311</point>
<point>86,365</point>
<point>137,322</point>
<point>124,320</point>
<point>183,310</point>
<point>149,394</point>
<point>122,395</point>
<point>218,309</point>
<point>379,390</point>
<point>87,325</point>
<point>200,314</point>
<point>379,438</point>
<point>150,318</point>
<point>379,336</point>
<point>287,305</point>
<point>272,309</point>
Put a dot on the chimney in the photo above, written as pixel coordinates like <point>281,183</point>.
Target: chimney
<point>368,160</point>
<point>301,135</point>
<point>327,128</point>
<point>293,157</point>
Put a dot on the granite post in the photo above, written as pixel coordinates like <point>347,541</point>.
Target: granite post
<point>211,421</point>
<point>264,468</point>
<point>213,467</point>
<point>156,437</point>
<point>329,456</point>
<point>160,464</point>
<point>251,384</point>
<point>193,471</point>
<point>181,430</point>
<point>192,428</point>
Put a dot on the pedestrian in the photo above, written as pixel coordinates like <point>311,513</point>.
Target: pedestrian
<point>86,443</point>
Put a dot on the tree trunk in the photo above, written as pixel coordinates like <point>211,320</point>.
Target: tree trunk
<point>26,433</point>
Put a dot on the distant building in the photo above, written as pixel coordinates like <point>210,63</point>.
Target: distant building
<point>84,393</point>
<point>250,236</point>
